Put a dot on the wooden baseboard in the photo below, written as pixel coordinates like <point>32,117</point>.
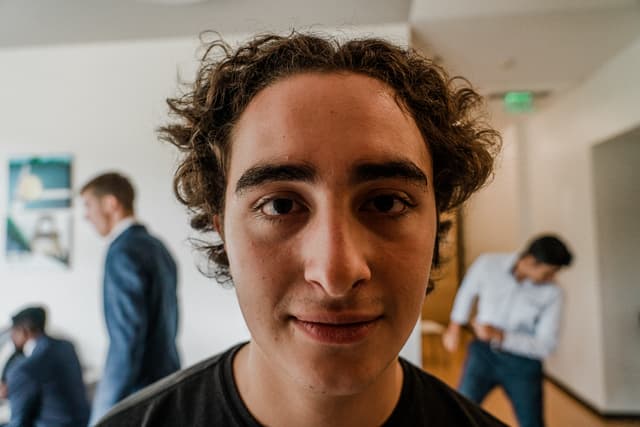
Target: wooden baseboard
<point>608,415</point>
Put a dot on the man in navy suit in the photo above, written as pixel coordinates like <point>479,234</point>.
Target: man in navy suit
<point>45,386</point>
<point>15,357</point>
<point>140,302</point>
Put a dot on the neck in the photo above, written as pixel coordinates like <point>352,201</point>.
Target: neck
<point>120,216</point>
<point>275,398</point>
<point>517,271</point>
<point>116,223</point>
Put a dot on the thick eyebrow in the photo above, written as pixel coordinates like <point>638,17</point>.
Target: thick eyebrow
<point>265,173</point>
<point>403,169</point>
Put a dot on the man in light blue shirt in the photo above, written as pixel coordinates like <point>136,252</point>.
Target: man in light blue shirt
<point>516,325</point>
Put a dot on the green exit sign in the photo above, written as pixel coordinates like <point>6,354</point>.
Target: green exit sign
<point>518,102</point>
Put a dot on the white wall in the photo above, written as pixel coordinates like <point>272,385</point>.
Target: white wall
<point>617,195</point>
<point>491,217</point>
<point>561,191</point>
<point>101,103</point>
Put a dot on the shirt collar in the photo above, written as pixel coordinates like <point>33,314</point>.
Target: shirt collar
<point>29,347</point>
<point>120,227</point>
<point>510,262</point>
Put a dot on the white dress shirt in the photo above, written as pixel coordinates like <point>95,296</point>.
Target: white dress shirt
<point>528,313</point>
<point>120,228</point>
<point>29,346</point>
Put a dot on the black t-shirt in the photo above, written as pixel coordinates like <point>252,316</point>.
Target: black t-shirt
<point>205,395</point>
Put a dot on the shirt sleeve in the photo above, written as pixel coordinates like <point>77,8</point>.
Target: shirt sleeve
<point>543,342</point>
<point>24,398</point>
<point>126,314</point>
<point>469,290</point>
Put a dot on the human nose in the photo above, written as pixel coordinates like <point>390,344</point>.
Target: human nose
<point>335,254</point>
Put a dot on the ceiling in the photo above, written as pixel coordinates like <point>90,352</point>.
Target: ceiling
<point>547,46</point>
<point>46,22</point>
<point>500,45</point>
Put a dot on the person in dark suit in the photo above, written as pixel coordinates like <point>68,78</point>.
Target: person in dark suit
<point>15,357</point>
<point>45,387</point>
<point>140,301</point>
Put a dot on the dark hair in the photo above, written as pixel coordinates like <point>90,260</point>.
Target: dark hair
<point>31,318</point>
<point>114,184</point>
<point>550,250</point>
<point>462,146</point>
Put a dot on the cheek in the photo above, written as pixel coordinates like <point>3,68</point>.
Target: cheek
<point>95,218</point>
<point>539,274</point>
<point>262,284</point>
<point>252,246</point>
<point>260,270</point>
<point>410,273</point>
<point>413,247</point>
<point>248,256</point>
<point>407,265</point>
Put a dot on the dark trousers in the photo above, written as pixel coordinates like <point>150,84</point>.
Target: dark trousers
<point>521,378</point>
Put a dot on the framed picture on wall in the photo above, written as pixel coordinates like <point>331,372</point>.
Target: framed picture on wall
<point>39,217</point>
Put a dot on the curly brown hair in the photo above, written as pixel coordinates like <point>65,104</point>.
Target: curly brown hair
<point>462,145</point>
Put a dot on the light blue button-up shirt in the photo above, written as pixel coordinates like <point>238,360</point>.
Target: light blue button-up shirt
<point>528,313</point>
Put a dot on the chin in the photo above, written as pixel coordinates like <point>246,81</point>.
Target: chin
<point>338,383</point>
<point>340,376</point>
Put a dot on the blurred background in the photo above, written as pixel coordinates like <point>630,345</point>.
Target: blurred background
<point>86,81</point>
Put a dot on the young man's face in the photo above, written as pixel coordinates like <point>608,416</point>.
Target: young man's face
<point>19,336</point>
<point>329,226</point>
<point>539,272</point>
<point>96,212</point>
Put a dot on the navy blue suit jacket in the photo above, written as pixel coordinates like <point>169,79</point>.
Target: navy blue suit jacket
<point>46,388</point>
<point>141,312</point>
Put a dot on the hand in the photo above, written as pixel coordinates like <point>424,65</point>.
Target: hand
<point>451,337</point>
<point>487,333</point>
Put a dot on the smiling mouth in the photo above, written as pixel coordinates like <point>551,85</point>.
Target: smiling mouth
<point>337,332</point>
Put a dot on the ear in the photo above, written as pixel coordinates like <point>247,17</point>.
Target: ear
<point>217,224</point>
<point>108,202</point>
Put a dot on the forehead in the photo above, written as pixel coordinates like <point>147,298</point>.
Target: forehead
<point>88,196</point>
<point>328,120</point>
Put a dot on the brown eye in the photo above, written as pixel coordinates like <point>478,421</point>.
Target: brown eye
<point>280,206</point>
<point>384,203</point>
<point>388,204</point>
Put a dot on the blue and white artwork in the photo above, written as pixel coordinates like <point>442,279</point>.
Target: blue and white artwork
<point>39,218</point>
